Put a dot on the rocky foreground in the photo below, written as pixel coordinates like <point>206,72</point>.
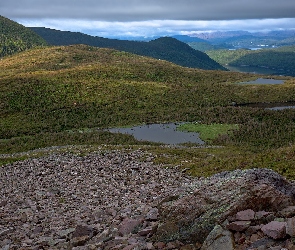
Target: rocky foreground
<point>121,200</point>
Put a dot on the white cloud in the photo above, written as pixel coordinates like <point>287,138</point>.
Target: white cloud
<point>157,27</point>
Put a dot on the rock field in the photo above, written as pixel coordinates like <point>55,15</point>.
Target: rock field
<point>122,200</point>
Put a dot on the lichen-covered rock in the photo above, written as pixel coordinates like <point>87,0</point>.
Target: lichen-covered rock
<point>220,196</point>
<point>219,239</point>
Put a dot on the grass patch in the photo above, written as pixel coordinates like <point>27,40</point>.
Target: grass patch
<point>211,160</point>
<point>208,132</point>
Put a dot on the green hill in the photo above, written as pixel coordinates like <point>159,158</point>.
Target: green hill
<point>64,95</point>
<point>165,48</point>
<point>279,59</point>
<point>15,37</point>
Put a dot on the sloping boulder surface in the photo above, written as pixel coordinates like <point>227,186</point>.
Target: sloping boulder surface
<point>213,200</point>
<point>122,200</point>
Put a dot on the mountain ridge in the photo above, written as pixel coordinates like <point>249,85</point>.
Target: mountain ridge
<point>171,50</point>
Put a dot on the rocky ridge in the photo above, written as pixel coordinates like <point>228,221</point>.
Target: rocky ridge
<point>122,200</point>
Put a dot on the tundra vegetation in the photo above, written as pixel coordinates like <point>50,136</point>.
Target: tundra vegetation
<point>66,95</point>
<point>15,37</point>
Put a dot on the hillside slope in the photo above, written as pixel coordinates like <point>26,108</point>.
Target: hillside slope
<point>15,37</point>
<point>59,88</point>
<point>280,59</point>
<point>164,48</point>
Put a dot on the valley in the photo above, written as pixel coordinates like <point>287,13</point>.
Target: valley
<point>68,182</point>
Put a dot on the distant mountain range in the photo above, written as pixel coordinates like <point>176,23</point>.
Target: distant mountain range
<point>245,39</point>
<point>164,48</point>
<point>15,37</point>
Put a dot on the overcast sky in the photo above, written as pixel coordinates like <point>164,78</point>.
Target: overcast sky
<point>151,17</point>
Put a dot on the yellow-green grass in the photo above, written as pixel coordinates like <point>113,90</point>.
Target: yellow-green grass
<point>208,132</point>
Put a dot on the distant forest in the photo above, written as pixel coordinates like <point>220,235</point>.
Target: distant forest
<point>15,37</point>
<point>164,48</point>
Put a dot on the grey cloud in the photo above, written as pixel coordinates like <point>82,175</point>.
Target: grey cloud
<point>140,10</point>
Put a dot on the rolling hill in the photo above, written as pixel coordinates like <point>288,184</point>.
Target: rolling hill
<point>61,88</point>
<point>15,37</point>
<point>165,48</point>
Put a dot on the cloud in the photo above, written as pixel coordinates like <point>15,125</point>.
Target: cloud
<point>143,10</point>
<point>157,27</point>
<point>111,18</point>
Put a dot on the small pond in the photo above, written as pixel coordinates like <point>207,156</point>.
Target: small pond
<point>253,70</point>
<point>271,106</point>
<point>162,133</point>
<point>264,81</point>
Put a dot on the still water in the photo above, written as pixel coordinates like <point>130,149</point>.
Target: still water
<point>264,81</point>
<point>272,106</point>
<point>254,70</point>
<point>162,133</point>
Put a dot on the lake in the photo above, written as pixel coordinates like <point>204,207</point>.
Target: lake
<point>254,70</point>
<point>264,81</point>
<point>272,106</point>
<point>163,133</point>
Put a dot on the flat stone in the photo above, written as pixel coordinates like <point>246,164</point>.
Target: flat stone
<point>65,233</point>
<point>128,225</point>
<point>275,229</point>
<point>263,243</point>
<point>253,230</point>
<point>145,231</point>
<point>219,239</point>
<point>81,231</point>
<point>245,215</point>
<point>290,227</point>
<point>79,241</point>
<point>150,246</point>
<point>262,215</point>
<point>238,226</point>
<point>153,214</point>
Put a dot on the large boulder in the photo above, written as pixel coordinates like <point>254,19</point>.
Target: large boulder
<point>191,217</point>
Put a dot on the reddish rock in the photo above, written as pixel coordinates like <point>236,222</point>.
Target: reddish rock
<point>160,245</point>
<point>150,246</point>
<point>130,247</point>
<point>254,237</point>
<point>291,226</point>
<point>190,247</point>
<point>3,203</point>
<point>238,226</point>
<point>261,215</point>
<point>145,231</point>
<point>152,215</point>
<point>252,230</point>
<point>275,229</point>
<point>128,225</point>
<point>170,245</point>
<point>81,231</point>
<point>79,241</point>
<point>246,215</point>
<point>219,239</point>
<point>288,211</point>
